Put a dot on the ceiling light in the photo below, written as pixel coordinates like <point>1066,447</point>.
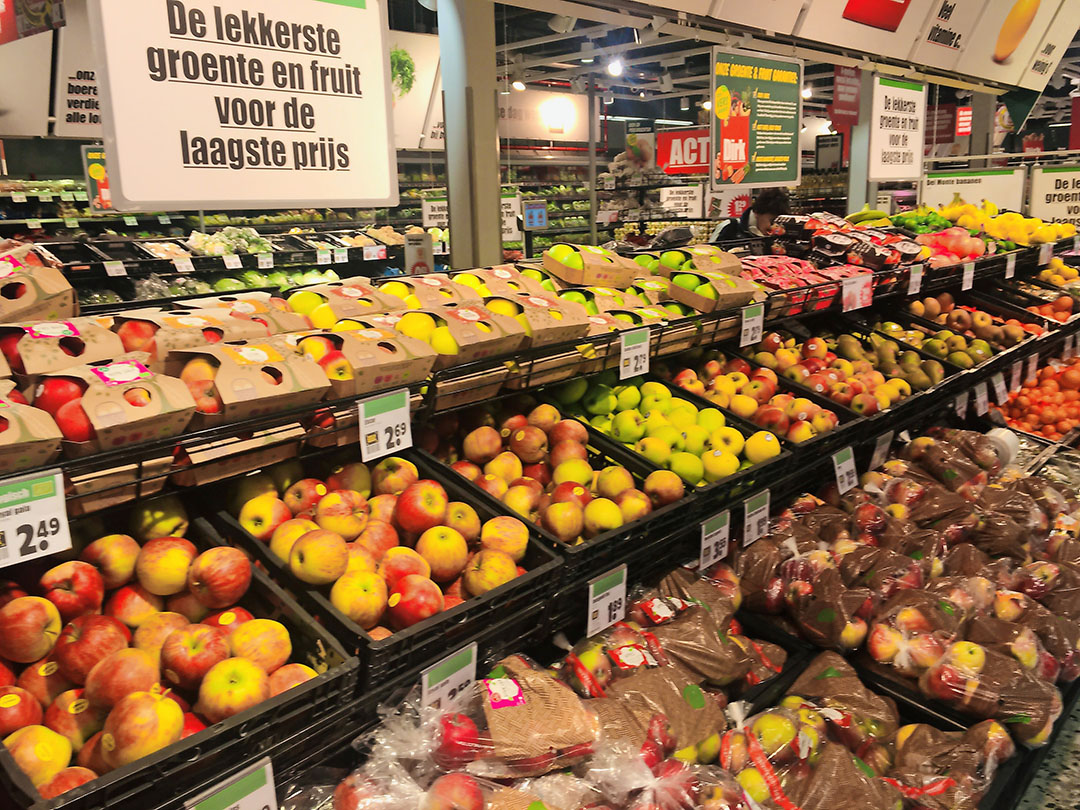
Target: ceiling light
<point>615,66</point>
<point>561,24</point>
<point>642,94</point>
<point>587,50</point>
<point>518,84</point>
<point>807,92</point>
<point>706,105</point>
<point>684,104</point>
<point>666,82</point>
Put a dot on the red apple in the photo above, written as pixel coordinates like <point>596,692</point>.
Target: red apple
<point>467,469</point>
<point>421,506</point>
<point>54,392</point>
<point>413,599</point>
<point>454,791</point>
<point>86,641</point>
<point>120,674</point>
<point>67,779</point>
<point>72,716</point>
<point>189,653</point>
<point>74,587</point>
<point>229,619</point>
<point>459,741</point>
<point>18,708</point>
<point>219,576</point>
<point>567,451</point>
<point>29,627</point>
<point>304,495</point>
<point>73,422</point>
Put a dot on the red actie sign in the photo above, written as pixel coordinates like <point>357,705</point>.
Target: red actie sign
<point>963,121</point>
<point>683,151</point>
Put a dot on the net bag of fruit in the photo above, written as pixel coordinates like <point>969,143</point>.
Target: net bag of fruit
<point>1017,640</point>
<point>949,465</point>
<point>913,629</point>
<point>826,612</point>
<point>1059,635</point>
<point>977,447</point>
<point>716,588</point>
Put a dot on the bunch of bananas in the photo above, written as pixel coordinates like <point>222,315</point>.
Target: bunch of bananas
<point>869,217</point>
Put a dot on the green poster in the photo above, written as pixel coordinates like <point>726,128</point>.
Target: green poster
<point>756,105</point>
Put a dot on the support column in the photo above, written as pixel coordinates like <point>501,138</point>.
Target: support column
<point>983,107</point>
<point>467,53</point>
<point>592,159</point>
<point>860,189</point>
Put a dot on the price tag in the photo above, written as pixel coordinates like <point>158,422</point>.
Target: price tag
<point>1010,265</point>
<point>607,600</point>
<point>982,399</point>
<point>67,196</point>
<point>322,257</point>
<point>607,183</point>
<point>445,683</point>
<point>1033,366</point>
<point>80,196</point>
<point>384,424</point>
<point>251,789</point>
<point>71,222</point>
<point>1001,393</point>
<point>914,283</point>
<point>374,252</point>
<point>961,404</point>
<point>115,269</point>
<point>714,539</point>
<point>164,219</point>
<point>18,197</point>
<point>753,324</point>
<point>33,517</point>
<point>341,256</point>
<point>969,276</point>
<point>1046,252</point>
<point>33,224</point>
<point>266,261</point>
<point>755,517</point>
<point>858,292</point>
<point>44,197</point>
<point>881,450</point>
<point>1070,347</point>
<point>131,221</point>
<point>1017,375</point>
<point>232,261</point>
<point>844,465</point>
<point>633,354</point>
<point>183,265</point>
<point>1076,242</point>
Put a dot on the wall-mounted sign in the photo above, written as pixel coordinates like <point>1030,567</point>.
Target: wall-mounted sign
<point>435,212</point>
<point>539,114</point>
<point>534,214</point>
<point>896,129</point>
<point>1055,193</point>
<point>829,151</point>
<point>237,104</point>
<point>683,151</point>
<point>1004,186</point>
<point>844,110</point>
<point>511,211</point>
<point>885,27</point>
<point>683,201</point>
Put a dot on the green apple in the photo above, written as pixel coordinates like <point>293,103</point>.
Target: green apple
<point>706,290</point>
<point>561,253</point>
<point>687,466</point>
<point>655,389</point>
<point>655,449</point>
<point>682,418</point>
<point>672,258</point>
<point>575,296</point>
<point>627,426</point>
<point>599,399</point>
<point>610,377</point>
<point>644,260</point>
<point>628,397</point>
<point>711,419</point>
<point>686,280</point>
<point>694,437</point>
<point>652,403</point>
<point>570,391</point>
<point>670,435</point>
<point>602,422</point>
<point>654,419</point>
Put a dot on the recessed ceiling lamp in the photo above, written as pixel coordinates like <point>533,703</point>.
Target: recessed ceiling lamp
<point>518,84</point>
<point>615,66</point>
<point>807,92</point>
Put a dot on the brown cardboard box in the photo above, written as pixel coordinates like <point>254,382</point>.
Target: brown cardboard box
<point>258,306</point>
<point>546,319</point>
<point>30,438</point>
<point>5,369</point>
<point>176,331</point>
<point>241,378</point>
<point>117,421</point>
<point>224,458</point>
<point>55,345</point>
<point>431,290</point>
<point>654,289</point>
<point>377,359</point>
<point>478,332</point>
<point>32,287</point>
<point>602,268</point>
<point>124,483</point>
<point>351,298</point>
<point>730,291</point>
<point>502,279</point>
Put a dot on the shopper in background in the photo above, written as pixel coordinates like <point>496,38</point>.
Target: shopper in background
<point>757,219</point>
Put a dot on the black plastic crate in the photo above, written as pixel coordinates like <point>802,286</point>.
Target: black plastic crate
<point>201,760</point>
<point>404,654</point>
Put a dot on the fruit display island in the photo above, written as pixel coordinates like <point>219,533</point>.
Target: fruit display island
<point>258,564</point>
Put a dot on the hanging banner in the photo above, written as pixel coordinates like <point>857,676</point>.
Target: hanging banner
<point>236,104</point>
<point>1052,47</point>
<point>829,152</point>
<point>1055,193</point>
<point>683,201</point>
<point>844,111</point>
<point>24,104</point>
<point>757,107</point>
<point>946,32</point>
<point>1004,187</point>
<point>777,16</point>
<point>543,115</point>
<point>96,175</point>
<point>414,72</point>
<point>24,18</point>
<point>963,121</point>
<point>1003,43</point>
<point>882,27</point>
<point>435,212</point>
<point>728,203</point>
<point>77,108</point>
<point>434,132</point>
<point>683,151</point>
<point>898,118</point>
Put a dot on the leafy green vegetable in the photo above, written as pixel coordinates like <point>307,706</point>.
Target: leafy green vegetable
<point>403,70</point>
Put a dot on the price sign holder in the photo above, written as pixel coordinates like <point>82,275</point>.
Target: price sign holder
<point>34,224</point>
<point>881,449</point>
<point>1010,265</point>
<point>969,276</point>
<point>33,517</point>
<point>1046,253</point>
<point>534,214</point>
<point>858,292</point>
<point>384,424</point>
<point>164,219</point>
<point>914,284</point>
<point>251,789</point>
<point>71,222</point>
<point>755,517</point>
<point>322,257</point>
<point>232,261</point>
<point>1032,366</point>
<point>131,222</point>
<point>1001,393</point>
<point>753,324</point>
<point>44,197</point>
<point>1070,348</point>
<point>961,404</point>
<point>442,685</point>
<point>982,399</point>
<point>18,197</point>
<point>1017,375</point>
<point>341,255</point>
<point>67,196</point>
<point>374,252</point>
<point>607,600</point>
<point>266,261</point>
<point>80,196</point>
<point>715,533</point>
<point>844,464</point>
<point>183,265</point>
<point>633,354</point>
<point>115,269</point>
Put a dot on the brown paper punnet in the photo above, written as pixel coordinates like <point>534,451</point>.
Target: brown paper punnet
<point>31,437</point>
<point>502,279</point>
<point>609,269</point>
<point>353,298</point>
<point>380,358</point>
<point>124,483</point>
<point>254,305</point>
<point>434,289</point>
<point>479,333</point>
<point>654,289</point>
<point>32,286</point>
<point>731,291</point>
<point>225,458</point>
<point>55,345</point>
<point>549,319</point>
<point>178,331</point>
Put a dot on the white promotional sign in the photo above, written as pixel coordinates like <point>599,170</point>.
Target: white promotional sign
<point>434,132</point>
<point>33,517</point>
<point>1052,47</point>
<point>1055,193</point>
<point>77,108</point>
<point>684,201</point>
<point>1003,44</point>
<point>435,212</point>
<point>384,424</point>
<point>778,16</point>
<point>419,254</point>
<point>251,789</point>
<point>539,114</point>
<point>1004,186</point>
<point>511,210</point>
<point>896,131</point>
<point>414,70</point>
<point>445,683</point>
<point>946,32</point>
<point>24,106</point>
<point>237,104</point>
<point>887,27</point>
<point>607,600</point>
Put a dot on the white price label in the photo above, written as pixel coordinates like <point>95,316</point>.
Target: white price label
<point>982,399</point>
<point>914,284</point>
<point>67,196</point>
<point>969,276</point>
<point>607,600</point>
<point>1046,253</point>
<point>607,183</point>
<point>443,685</point>
<point>1033,366</point>
<point>633,353</point>
<point>844,465</point>
<point>44,197</point>
<point>881,450</point>
<point>755,517</point>
<point>753,324</point>
<point>384,424</point>
<point>164,219</point>
<point>232,261</point>
<point>266,261</point>
<point>1070,347</point>
<point>1001,393</point>
<point>18,197</point>
<point>714,539</point>
<point>131,221</point>
<point>71,222</point>
<point>341,255</point>
<point>183,265</point>
<point>1017,375</point>
<point>115,269</point>
<point>33,517</point>
<point>1076,242</point>
<point>80,196</point>
<point>33,224</point>
<point>250,789</point>
<point>961,404</point>
<point>1010,265</point>
<point>858,292</point>
<point>323,257</point>
<point>374,252</point>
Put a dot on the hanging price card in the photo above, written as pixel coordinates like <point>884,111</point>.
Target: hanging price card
<point>858,292</point>
<point>183,265</point>
<point>232,261</point>
<point>633,353</point>
<point>33,517</point>
<point>607,600</point>
<point>164,219</point>
<point>18,197</point>
<point>961,404</point>
<point>115,269</point>
<point>80,196</point>
<point>1069,349</point>
<point>33,224</point>
<point>607,183</point>
<point>44,197</point>
<point>969,276</point>
<point>755,517</point>
<point>323,257</point>
<point>341,255</point>
<point>982,399</point>
<point>443,685</point>
<point>844,465</point>
<point>384,424</point>
<point>1001,393</point>
<point>251,789</point>
<point>131,221</point>
<point>1046,253</point>
<point>753,323</point>
<point>881,450</point>
<point>67,196</point>
<point>71,222</point>
<point>1017,375</point>
<point>714,539</point>
<point>266,261</point>
<point>374,252</point>
<point>914,284</point>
